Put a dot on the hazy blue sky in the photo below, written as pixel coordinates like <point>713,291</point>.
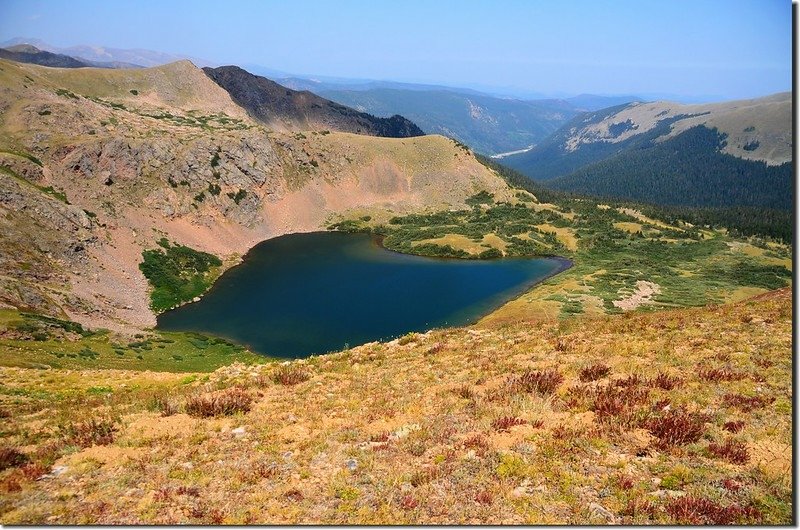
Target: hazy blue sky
<point>726,48</point>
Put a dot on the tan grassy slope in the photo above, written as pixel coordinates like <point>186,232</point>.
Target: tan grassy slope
<point>179,84</point>
<point>680,416</point>
<point>103,163</point>
<point>763,121</point>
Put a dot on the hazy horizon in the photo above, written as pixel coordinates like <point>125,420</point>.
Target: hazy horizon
<point>698,50</point>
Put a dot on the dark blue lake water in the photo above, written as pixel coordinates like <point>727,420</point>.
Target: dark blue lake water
<point>305,294</point>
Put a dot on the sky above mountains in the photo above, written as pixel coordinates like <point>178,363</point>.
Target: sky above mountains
<point>691,48</point>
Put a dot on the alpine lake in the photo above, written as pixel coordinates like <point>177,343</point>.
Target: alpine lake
<point>305,294</point>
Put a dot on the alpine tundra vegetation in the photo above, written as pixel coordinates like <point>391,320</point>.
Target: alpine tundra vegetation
<point>633,365</point>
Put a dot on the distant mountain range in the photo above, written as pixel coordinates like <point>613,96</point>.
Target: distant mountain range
<point>26,53</point>
<point>274,105</point>
<point>733,153</point>
<point>721,154</point>
<point>488,123</point>
<point>103,54</point>
<point>485,123</point>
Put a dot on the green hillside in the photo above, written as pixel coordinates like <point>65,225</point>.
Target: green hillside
<point>687,170</point>
<point>551,159</point>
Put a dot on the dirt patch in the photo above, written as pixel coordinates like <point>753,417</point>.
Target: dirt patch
<point>151,426</point>
<point>108,455</point>
<point>642,295</point>
<point>644,219</point>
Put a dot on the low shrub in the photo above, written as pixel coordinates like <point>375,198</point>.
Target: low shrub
<point>505,423</point>
<point>594,372</point>
<point>720,374</point>
<point>424,476</point>
<point>666,382</point>
<point>490,253</point>
<point>94,431</point>
<point>625,482</point>
<point>734,426</point>
<point>478,442</point>
<point>434,349</point>
<point>33,470</point>
<point>661,404</point>
<point>695,510</point>
<point>11,457</point>
<point>484,497</point>
<point>464,392</point>
<point>165,405</point>
<point>290,374</point>
<point>220,403</point>
<point>746,403</point>
<point>631,381</point>
<point>563,432</point>
<point>618,403</point>
<point>638,507</point>
<point>294,495</point>
<point>763,362</point>
<point>731,484</point>
<point>731,450</point>
<point>543,382</point>
<point>380,437</point>
<point>677,427</point>
<point>408,502</point>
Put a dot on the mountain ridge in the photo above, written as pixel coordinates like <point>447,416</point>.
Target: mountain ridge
<point>285,109</point>
<point>605,143</point>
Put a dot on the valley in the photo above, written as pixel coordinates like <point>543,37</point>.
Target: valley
<point>225,301</point>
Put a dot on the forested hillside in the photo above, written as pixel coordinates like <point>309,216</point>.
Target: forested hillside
<point>687,170</point>
<point>738,220</point>
<point>734,153</point>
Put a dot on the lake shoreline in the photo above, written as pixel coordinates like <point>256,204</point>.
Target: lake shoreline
<point>281,248</point>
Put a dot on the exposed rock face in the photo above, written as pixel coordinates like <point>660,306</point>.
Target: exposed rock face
<point>285,109</point>
<point>87,182</point>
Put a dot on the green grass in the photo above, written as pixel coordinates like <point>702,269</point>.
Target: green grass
<point>23,155</point>
<point>177,274</point>
<point>691,266</point>
<point>482,197</point>
<point>83,349</point>
<point>507,221</point>
<point>65,93</point>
